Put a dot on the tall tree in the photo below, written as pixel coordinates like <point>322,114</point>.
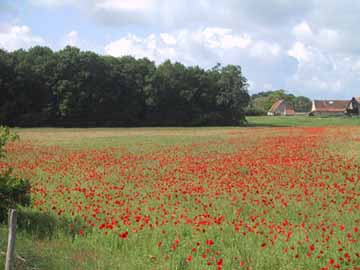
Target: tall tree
<point>72,87</point>
<point>302,104</point>
<point>264,100</point>
<point>7,87</point>
<point>233,96</point>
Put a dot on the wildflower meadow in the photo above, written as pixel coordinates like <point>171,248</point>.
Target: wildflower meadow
<point>211,198</point>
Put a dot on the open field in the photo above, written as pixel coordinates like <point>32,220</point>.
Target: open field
<point>191,198</point>
<point>281,121</point>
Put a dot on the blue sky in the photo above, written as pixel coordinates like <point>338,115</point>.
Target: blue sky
<point>308,47</point>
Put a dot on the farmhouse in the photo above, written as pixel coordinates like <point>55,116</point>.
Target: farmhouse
<point>281,107</point>
<point>329,107</point>
<point>353,106</point>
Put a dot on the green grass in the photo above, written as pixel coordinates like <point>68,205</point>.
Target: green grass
<point>120,137</point>
<point>294,121</point>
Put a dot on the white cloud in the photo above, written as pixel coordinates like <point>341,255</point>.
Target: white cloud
<point>15,37</point>
<point>72,38</point>
<point>168,39</point>
<point>184,45</point>
<point>307,45</point>
<point>265,49</point>
<point>328,39</point>
<point>325,38</point>
<point>321,88</point>
<point>264,63</point>
<point>355,67</point>
<point>54,3</point>
<point>223,38</point>
<point>326,75</point>
<point>300,52</point>
<point>125,5</point>
<point>155,47</point>
<point>132,45</point>
<point>302,31</point>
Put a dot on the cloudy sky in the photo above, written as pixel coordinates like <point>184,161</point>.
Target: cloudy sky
<point>308,47</point>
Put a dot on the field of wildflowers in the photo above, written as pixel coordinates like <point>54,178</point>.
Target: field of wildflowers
<point>231,198</point>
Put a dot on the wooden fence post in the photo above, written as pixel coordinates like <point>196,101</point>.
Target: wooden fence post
<point>10,254</point>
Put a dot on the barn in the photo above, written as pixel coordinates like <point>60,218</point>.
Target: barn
<point>353,106</point>
<point>281,107</point>
<point>329,107</point>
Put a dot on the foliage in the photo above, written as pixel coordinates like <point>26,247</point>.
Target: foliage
<point>6,136</point>
<point>75,88</point>
<point>42,225</point>
<point>302,104</point>
<point>264,100</point>
<point>13,191</point>
<point>254,111</point>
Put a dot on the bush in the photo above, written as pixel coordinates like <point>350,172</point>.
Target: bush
<point>43,225</point>
<point>254,111</point>
<point>6,136</point>
<point>13,191</point>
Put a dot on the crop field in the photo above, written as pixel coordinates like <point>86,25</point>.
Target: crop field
<point>189,198</point>
<point>303,120</point>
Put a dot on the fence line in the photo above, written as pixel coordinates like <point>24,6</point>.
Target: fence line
<point>10,254</point>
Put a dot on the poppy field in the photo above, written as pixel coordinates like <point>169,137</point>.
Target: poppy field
<point>212,198</point>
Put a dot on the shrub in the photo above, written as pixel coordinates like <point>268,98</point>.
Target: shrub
<point>6,136</point>
<point>13,191</point>
<point>254,111</point>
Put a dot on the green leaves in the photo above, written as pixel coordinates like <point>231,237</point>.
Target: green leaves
<point>13,191</point>
<point>76,88</point>
<point>264,100</point>
<point>6,136</point>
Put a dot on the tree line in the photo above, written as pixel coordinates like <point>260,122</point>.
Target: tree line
<point>70,87</point>
<point>261,102</point>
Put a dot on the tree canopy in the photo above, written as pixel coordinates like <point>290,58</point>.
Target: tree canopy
<point>71,87</point>
<point>262,101</point>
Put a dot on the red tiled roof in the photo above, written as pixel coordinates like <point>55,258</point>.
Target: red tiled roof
<point>330,105</point>
<point>276,105</point>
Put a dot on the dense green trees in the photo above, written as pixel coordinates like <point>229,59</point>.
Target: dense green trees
<point>262,102</point>
<point>75,88</point>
